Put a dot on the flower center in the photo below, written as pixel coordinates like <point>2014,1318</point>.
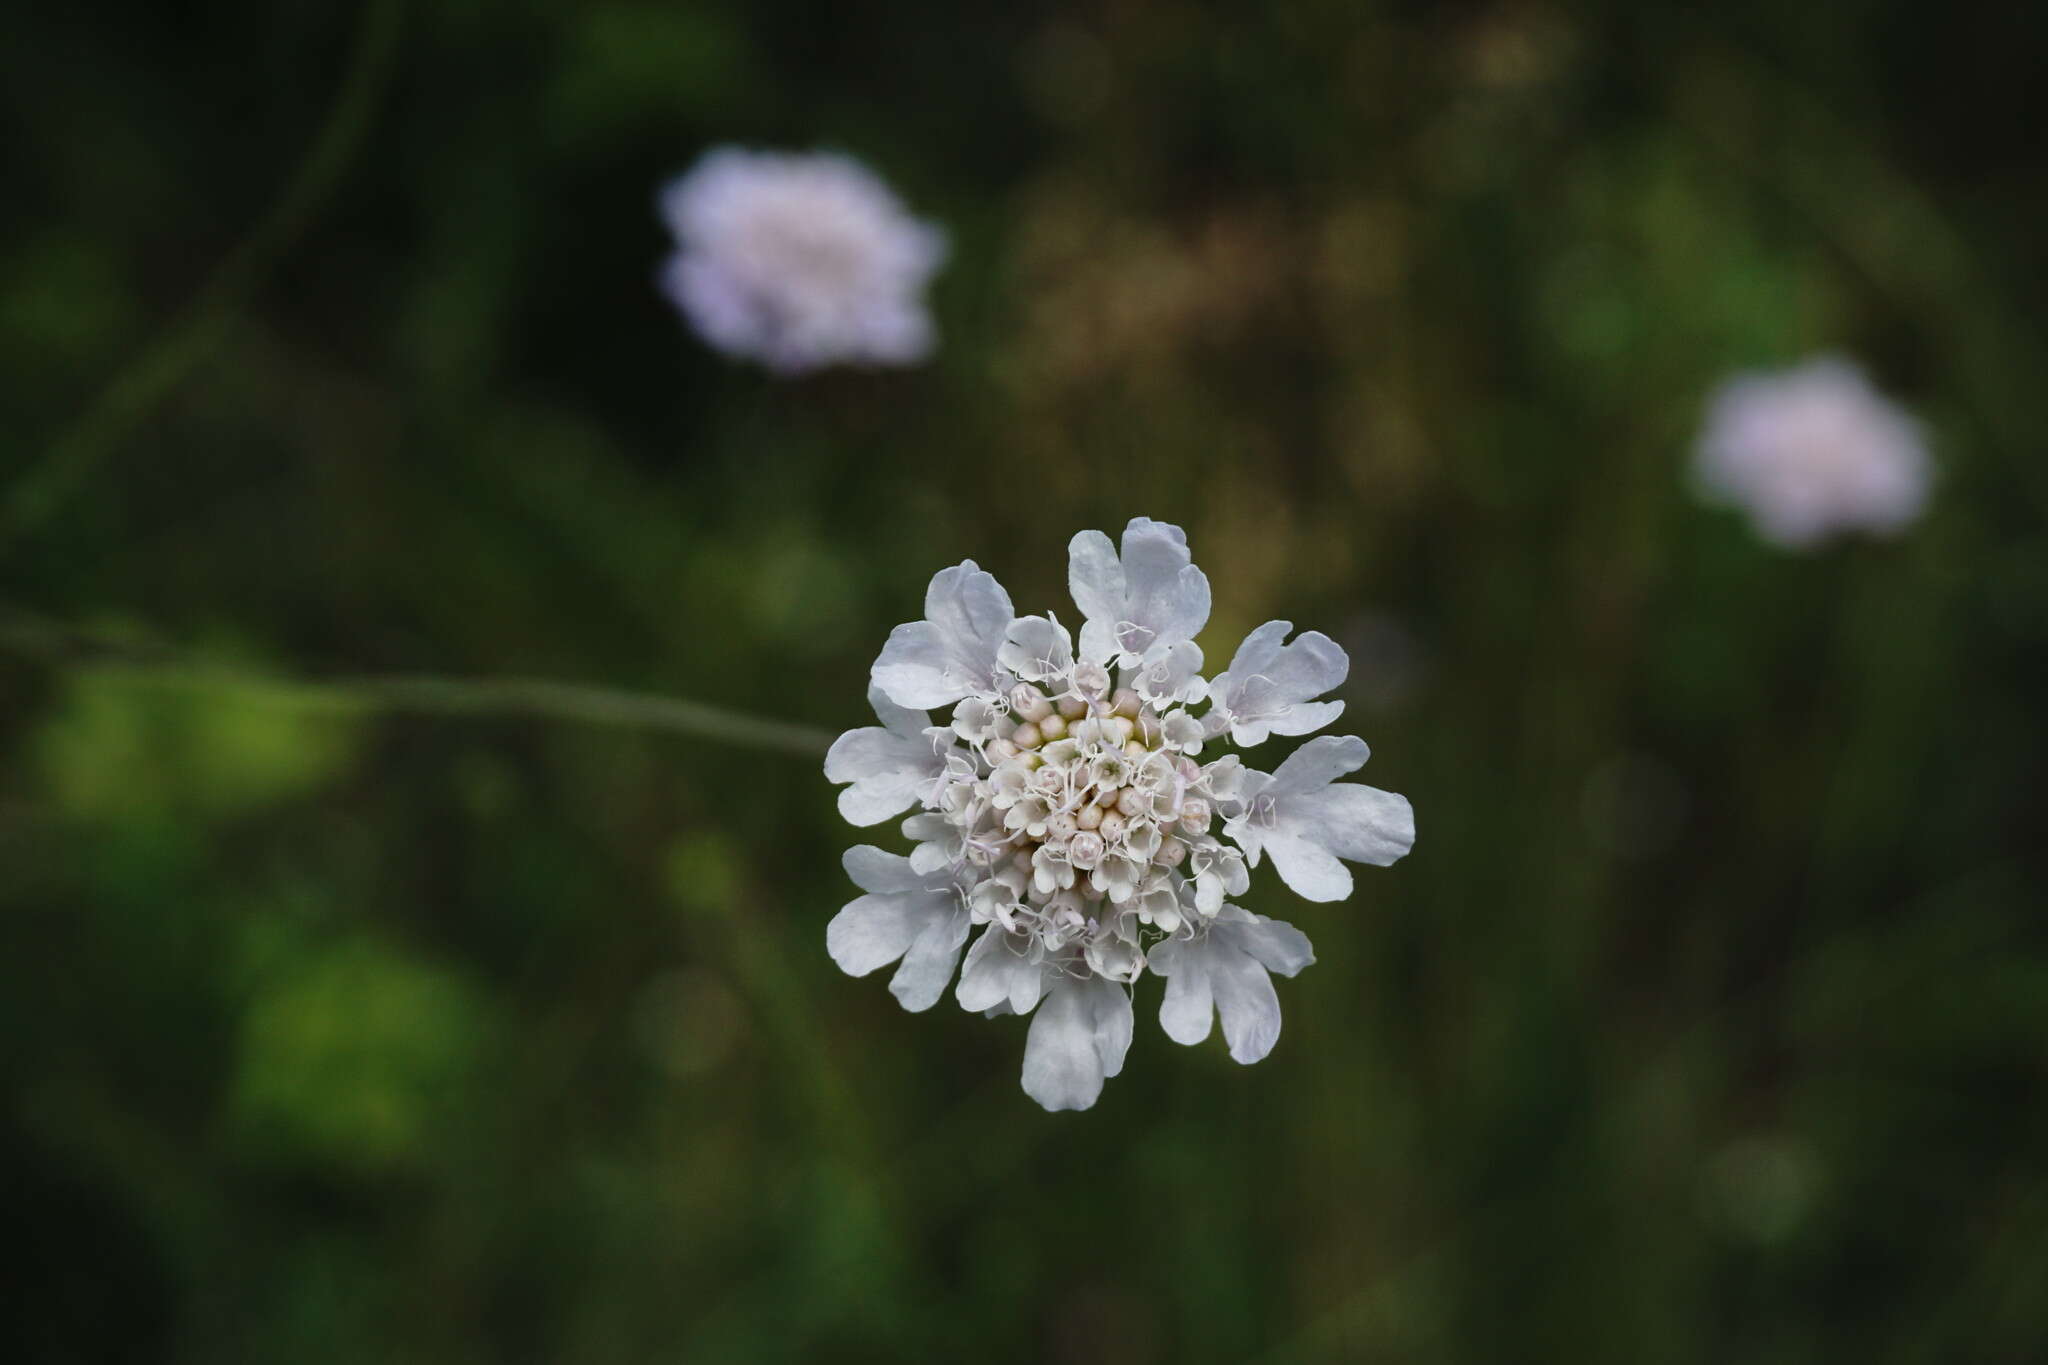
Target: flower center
<point>1084,810</point>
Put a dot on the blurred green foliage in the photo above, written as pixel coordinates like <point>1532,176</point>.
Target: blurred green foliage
<point>112,750</point>
<point>1706,1022</point>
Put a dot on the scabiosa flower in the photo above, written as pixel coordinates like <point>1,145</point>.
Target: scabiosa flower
<point>1074,815</point>
<point>799,261</point>
<point>1812,452</point>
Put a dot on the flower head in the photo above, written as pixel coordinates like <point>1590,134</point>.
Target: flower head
<point>799,261</point>
<point>1812,452</point>
<point>1075,812</point>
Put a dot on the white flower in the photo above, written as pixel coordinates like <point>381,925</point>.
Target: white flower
<point>1064,808</point>
<point>1811,452</point>
<point>1300,816</point>
<point>799,261</point>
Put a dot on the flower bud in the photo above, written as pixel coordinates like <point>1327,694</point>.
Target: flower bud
<point>1060,828</point>
<point>1182,730</point>
<point>1027,736</point>
<point>1113,826</point>
<point>1090,679</point>
<point>1194,815</point>
<point>1125,703</point>
<point>1132,802</point>
<point>1172,853</point>
<point>1002,750</point>
<point>1085,849</point>
<point>1053,726</point>
<point>1073,708</point>
<point>1029,703</point>
<point>1088,817</point>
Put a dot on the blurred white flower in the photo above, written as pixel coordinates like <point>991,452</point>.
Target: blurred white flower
<point>1811,452</point>
<point>799,260</point>
<point>1064,811</point>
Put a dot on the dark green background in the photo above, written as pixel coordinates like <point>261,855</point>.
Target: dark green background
<point>1706,1023</point>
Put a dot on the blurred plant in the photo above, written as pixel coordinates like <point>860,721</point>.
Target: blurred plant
<point>1813,452</point>
<point>116,750</point>
<point>354,1055</point>
<point>799,261</point>
<point>1072,820</point>
<point>113,660</point>
<point>63,470</point>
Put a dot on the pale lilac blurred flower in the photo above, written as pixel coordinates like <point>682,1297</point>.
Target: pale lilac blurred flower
<point>1065,814</point>
<point>799,260</point>
<point>1813,452</point>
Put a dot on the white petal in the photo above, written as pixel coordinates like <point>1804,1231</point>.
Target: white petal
<point>1078,1037</point>
<point>1308,666</point>
<point>915,669</point>
<point>1113,1024</point>
<point>1303,718</point>
<point>1167,593</point>
<point>1188,1008</point>
<point>1226,971</point>
<point>874,869</point>
<point>867,752</point>
<point>952,653</point>
<point>1037,648</point>
<point>1317,763</point>
<point>1157,528</point>
<point>997,972</point>
<point>1170,672</point>
<point>1246,1002</point>
<point>1277,945</point>
<point>931,856</point>
<point>1356,822</point>
<point>1310,870</point>
<point>1250,837</point>
<point>928,965</point>
<point>1269,686</point>
<point>1061,1069</point>
<point>925,825</point>
<point>1255,655</point>
<point>1098,640</point>
<point>874,800</point>
<point>906,721</point>
<point>874,931</point>
<point>1095,578</point>
<point>887,771</point>
<point>971,609</point>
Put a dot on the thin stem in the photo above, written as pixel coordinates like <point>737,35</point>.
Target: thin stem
<point>147,380</point>
<point>148,664</point>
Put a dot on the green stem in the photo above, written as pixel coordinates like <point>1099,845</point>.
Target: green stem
<point>27,635</point>
<point>137,390</point>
